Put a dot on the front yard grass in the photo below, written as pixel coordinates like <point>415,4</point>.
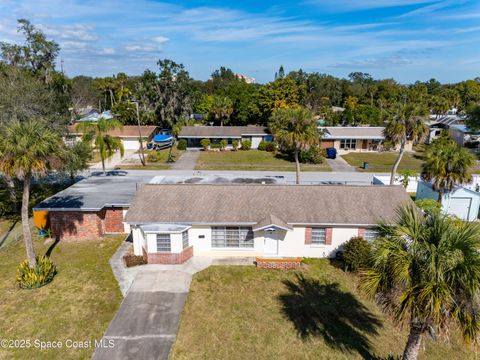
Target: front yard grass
<point>383,161</point>
<point>77,305</point>
<point>250,160</point>
<point>240,312</point>
<point>160,163</point>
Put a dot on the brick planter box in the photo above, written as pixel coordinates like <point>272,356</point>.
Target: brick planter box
<point>169,258</point>
<point>287,263</point>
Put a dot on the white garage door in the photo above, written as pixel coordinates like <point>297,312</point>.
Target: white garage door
<point>131,144</point>
<point>459,207</point>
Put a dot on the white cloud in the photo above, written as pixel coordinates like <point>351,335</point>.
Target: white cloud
<point>342,5</point>
<point>161,39</point>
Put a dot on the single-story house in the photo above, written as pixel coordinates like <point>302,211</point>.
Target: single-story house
<point>461,202</point>
<point>171,223</point>
<point>462,134</point>
<point>194,134</point>
<point>128,134</point>
<point>435,130</point>
<point>355,138</point>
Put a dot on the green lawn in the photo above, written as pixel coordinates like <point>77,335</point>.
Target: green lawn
<point>77,305</point>
<point>383,162</point>
<point>160,163</point>
<point>253,160</point>
<point>239,312</point>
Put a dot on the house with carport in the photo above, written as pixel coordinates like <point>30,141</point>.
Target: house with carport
<point>172,222</point>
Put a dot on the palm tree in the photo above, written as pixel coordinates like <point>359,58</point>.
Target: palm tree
<point>426,272</point>
<point>222,108</point>
<point>446,165</point>
<point>405,125</point>
<point>28,150</point>
<point>105,144</point>
<point>294,128</point>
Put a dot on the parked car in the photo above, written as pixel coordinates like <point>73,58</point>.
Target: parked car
<point>331,153</point>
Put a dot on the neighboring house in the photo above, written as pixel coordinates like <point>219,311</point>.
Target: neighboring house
<point>355,138</point>
<point>463,135</point>
<point>128,134</point>
<point>435,130</point>
<point>461,202</point>
<point>171,223</point>
<point>94,116</point>
<point>246,78</point>
<point>194,134</point>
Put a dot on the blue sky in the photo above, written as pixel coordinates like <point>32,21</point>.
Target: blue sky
<point>405,39</point>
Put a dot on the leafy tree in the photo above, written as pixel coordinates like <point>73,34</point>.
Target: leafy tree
<point>294,128</point>
<point>446,164</point>
<point>37,53</point>
<point>245,102</point>
<point>473,117</point>
<point>105,144</point>
<point>278,94</point>
<point>405,125</point>
<point>77,158</point>
<point>204,106</point>
<point>221,109</point>
<point>29,149</point>
<point>405,175</point>
<point>426,272</point>
<point>220,79</point>
<point>350,105</point>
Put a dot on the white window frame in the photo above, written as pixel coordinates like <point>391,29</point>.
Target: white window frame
<point>232,237</point>
<point>319,236</point>
<point>370,234</point>
<point>185,241</point>
<point>166,246</point>
<point>348,144</point>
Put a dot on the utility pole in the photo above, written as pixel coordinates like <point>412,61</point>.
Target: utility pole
<point>140,139</point>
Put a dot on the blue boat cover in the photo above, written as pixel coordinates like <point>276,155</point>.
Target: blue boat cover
<point>162,138</point>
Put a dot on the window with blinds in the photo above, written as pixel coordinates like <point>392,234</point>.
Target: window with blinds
<point>232,237</point>
<point>319,236</point>
<point>185,239</point>
<point>164,243</point>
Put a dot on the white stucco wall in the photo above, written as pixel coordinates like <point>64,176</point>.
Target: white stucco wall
<point>256,141</point>
<point>291,243</point>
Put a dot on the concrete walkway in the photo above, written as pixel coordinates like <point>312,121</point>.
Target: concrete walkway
<point>146,324</point>
<point>187,161</point>
<point>339,164</point>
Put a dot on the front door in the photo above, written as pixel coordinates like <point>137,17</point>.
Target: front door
<point>271,243</point>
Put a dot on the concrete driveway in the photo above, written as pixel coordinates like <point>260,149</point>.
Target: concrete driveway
<point>340,165</point>
<point>146,324</point>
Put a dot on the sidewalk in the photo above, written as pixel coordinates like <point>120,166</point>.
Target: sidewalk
<point>187,161</point>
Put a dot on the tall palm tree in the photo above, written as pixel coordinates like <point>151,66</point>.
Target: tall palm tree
<point>446,165</point>
<point>105,144</point>
<point>28,150</point>
<point>294,128</point>
<point>426,272</point>
<point>222,108</point>
<point>405,125</point>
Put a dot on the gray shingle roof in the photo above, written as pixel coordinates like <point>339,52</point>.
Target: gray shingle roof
<point>221,131</point>
<point>353,132</point>
<point>251,204</point>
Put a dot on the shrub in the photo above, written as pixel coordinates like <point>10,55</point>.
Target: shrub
<point>154,156</point>
<point>34,277</point>
<point>428,205</point>
<point>216,146</point>
<point>223,144</point>
<point>246,145</point>
<point>182,144</point>
<point>313,155</point>
<point>133,260</point>
<point>262,146</point>
<point>356,253</point>
<point>205,143</point>
<point>235,145</point>
<point>270,147</point>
